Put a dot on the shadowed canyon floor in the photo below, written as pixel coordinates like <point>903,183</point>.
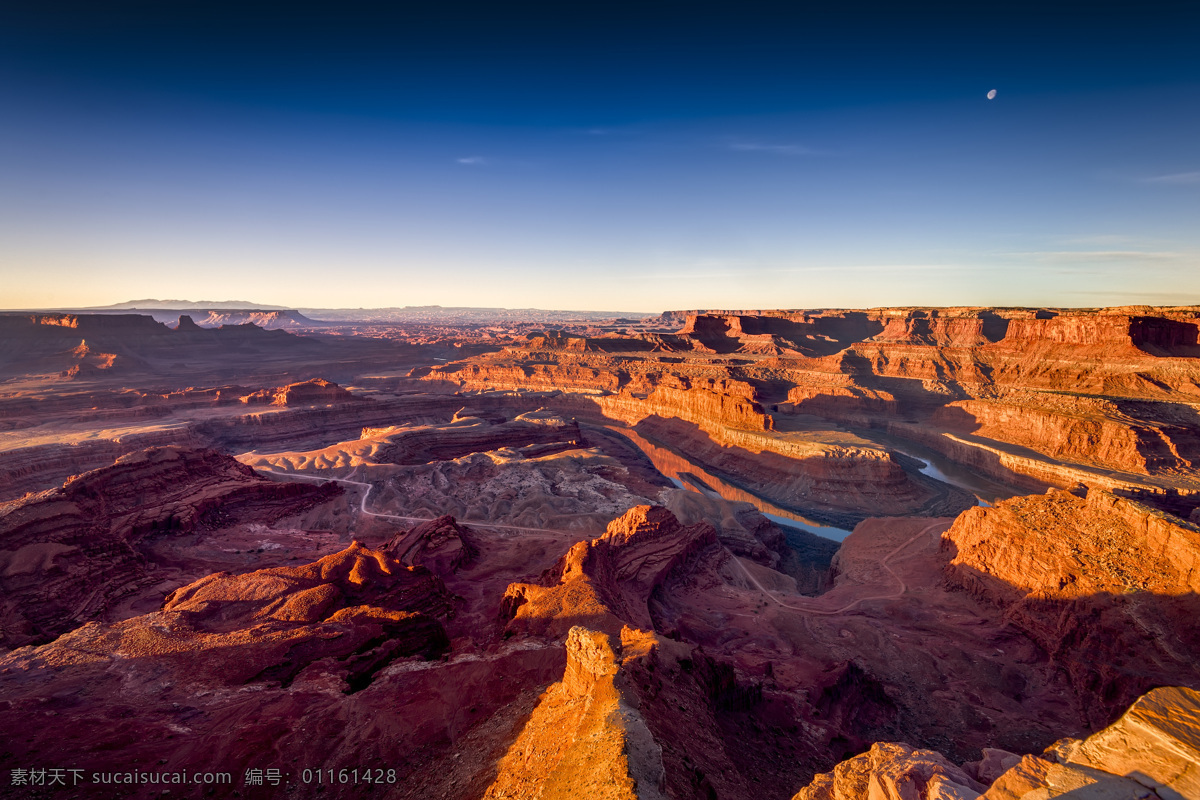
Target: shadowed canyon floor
<point>896,553</point>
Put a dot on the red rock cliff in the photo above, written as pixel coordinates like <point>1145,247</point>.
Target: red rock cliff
<point>1093,579</point>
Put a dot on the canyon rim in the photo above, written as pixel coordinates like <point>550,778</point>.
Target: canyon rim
<point>902,553</point>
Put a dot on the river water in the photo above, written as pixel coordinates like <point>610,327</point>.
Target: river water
<point>692,477</point>
<point>943,469</point>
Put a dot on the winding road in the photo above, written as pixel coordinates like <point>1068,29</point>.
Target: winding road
<point>809,608</point>
<point>369,513</point>
<point>885,563</point>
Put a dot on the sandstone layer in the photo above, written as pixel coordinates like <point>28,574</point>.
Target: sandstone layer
<point>1110,588</point>
<point>647,662</point>
<point>232,672</point>
<point>1151,753</point>
<point>506,560</point>
<point>1029,397</point>
<point>535,470</point>
<point>69,554</point>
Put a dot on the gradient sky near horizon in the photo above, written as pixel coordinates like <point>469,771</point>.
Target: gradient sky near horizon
<point>634,157</point>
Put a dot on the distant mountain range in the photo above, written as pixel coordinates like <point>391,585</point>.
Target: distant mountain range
<point>165,311</point>
<point>454,314</point>
<point>133,305</point>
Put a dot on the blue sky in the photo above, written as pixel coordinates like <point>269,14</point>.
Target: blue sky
<point>633,157</point>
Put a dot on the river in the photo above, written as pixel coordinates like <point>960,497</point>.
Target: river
<point>692,477</point>
<point>943,469</point>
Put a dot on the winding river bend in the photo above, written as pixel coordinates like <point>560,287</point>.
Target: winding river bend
<point>943,469</point>
<point>688,475</point>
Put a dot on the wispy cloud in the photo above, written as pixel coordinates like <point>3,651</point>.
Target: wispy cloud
<point>1176,178</point>
<point>1093,256</point>
<point>1099,240</point>
<point>1157,298</point>
<point>704,271</point>
<point>473,161</point>
<point>774,149</point>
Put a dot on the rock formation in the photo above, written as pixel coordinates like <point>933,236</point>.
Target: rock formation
<point>270,320</point>
<point>306,393</point>
<point>440,545</point>
<point>134,348</point>
<point>1110,588</point>
<point>1151,753</point>
<point>647,716</point>
<point>533,433</point>
<point>1030,397</point>
<point>585,738</point>
<point>68,554</point>
<point>840,483</point>
<point>391,611</point>
<point>587,560</point>
<point>893,772</point>
<point>607,582</point>
<point>232,673</point>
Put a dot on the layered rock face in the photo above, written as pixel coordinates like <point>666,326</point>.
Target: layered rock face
<point>82,324</point>
<point>585,739</point>
<point>1098,432</point>
<point>270,320</point>
<point>317,391</point>
<point>347,660</point>
<point>712,404</point>
<point>481,638</point>
<point>89,361</point>
<point>68,554</point>
<point>29,470</point>
<point>220,417</point>
<point>931,328</point>
<point>1029,397</point>
<point>636,714</point>
<point>103,355</point>
<point>1109,587</point>
<point>608,582</point>
<point>893,772</point>
<point>535,470</point>
<point>1156,743</point>
<point>1151,753</point>
<point>733,719</point>
<point>840,483</point>
<point>795,333</point>
<point>37,344</point>
<point>534,376</point>
<point>647,662</point>
<point>1159,335</point>
<point>534,433</point>
<point>391,611</point>
<point>651,572</point>
<point>721,424</point>
<point>82,389</point>
<point>302,428</point>
<point>1072,544</point>
<point>440,545</point>
<point>231,673</point>
<point>1105,399</point>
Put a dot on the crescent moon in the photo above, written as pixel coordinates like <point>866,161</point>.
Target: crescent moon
<point>991,95</point>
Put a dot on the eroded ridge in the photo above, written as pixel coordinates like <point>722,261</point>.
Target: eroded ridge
<point>893,553</point>
<point>1152,751</point>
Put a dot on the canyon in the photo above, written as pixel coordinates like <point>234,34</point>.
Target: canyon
<point>899,553</point>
